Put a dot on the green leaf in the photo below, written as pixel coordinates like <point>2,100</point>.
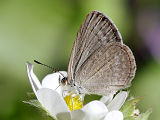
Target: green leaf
<point>145,115</point>
<point>90,97</point>
<point>31,95</point>
<point>129,118</point>
<point>37,104</point>
<point>128,108</point>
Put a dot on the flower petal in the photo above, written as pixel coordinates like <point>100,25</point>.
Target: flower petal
<point>95,110</point>
<point>118,101</point>
<point>63,116</point>
<point>63,73</point>
<point>106,99</point>
<point>36,85</point>
<point>77,114</point>
<point>52,81</point>
<point>53,103</point>
<point>114,115</point>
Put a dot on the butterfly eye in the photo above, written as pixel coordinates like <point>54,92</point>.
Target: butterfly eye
<point>64,81</point>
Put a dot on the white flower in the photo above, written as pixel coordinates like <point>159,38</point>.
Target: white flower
<point>50,96</point>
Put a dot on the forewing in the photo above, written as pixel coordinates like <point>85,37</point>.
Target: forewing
<point>96,30</point>
<point>111,68</point>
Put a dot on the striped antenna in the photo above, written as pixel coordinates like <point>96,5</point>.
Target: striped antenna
<point>54,70</point>
<point>45,65</point>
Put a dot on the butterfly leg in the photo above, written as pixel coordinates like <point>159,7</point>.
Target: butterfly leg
<point>59,82</point>
<point>72,102</point>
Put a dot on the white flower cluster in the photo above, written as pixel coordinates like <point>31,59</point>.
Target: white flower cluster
<point>51,99</point>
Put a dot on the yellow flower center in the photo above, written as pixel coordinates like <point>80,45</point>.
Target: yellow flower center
<point>74,102</point>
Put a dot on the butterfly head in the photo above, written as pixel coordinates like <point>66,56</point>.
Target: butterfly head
<point>63,78</point>
<point>64,81</point>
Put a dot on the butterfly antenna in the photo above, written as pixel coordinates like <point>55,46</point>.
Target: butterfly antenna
<point>45,65</point>
<point>54,70</point>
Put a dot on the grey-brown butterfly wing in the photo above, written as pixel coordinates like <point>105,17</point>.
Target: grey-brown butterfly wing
<point>109,69</point>
<point>96,31</point>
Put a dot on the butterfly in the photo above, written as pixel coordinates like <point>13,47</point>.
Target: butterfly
<point>100,62</point>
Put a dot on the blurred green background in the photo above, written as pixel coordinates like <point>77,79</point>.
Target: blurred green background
<point>46,29</point>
